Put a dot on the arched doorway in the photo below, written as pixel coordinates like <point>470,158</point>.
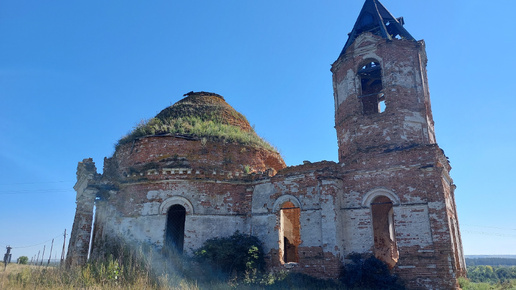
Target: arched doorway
<point>385,247</point>
<point>289,230</point>
<point>175,229</point>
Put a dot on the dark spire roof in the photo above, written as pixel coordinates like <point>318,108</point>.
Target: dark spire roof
<point>375,18</point>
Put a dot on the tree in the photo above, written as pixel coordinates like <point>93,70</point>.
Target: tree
<point>23,260</point>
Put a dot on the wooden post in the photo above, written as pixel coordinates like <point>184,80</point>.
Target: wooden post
<point>50,255</point>
<point>41,264</point>
<point>37,259</point>
<point>61,263</point>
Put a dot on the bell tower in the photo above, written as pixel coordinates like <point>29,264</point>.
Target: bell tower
<point>380,86</point>
<point>398,195</point>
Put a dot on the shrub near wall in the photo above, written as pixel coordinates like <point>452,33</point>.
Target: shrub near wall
<point>367,272</point>
<point>236,254</point>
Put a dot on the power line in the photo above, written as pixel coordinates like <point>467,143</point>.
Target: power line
<point>39,244</point>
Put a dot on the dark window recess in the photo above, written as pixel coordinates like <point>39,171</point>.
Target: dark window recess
<point>385,247</point>
<point>372,97</point>
<point>290,251</point>
<point>175,233</point>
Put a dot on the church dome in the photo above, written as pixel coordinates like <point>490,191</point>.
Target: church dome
<point>202,135</point>
<point>205,107</point>
<point>200,115</point>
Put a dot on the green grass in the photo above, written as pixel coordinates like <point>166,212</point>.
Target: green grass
<point>196,127</point>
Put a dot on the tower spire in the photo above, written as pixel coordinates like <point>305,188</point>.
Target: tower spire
<point>375,18</point>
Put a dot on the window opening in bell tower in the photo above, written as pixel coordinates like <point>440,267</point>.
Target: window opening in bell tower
<point>372,97</point>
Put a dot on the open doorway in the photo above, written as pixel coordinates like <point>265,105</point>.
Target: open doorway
<point>175,228</point>
<point>385,247</point>
<point>290,232</point>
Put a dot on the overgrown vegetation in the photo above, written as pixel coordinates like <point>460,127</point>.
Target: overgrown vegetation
<point>142,267</point>
<point>237,254</point>
<point>240,259</point>
<point>95,275</point>
<point>200,115</point>
<point>196,127</point>
<point>367,272</point>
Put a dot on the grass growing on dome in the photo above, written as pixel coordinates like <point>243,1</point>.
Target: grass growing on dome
<point>196,127</point>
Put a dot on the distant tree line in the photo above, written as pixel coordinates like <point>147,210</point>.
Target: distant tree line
<point>491,274</point>
<point>490,262</point>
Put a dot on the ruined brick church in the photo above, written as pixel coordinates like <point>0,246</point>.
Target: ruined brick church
<point>173,184</point>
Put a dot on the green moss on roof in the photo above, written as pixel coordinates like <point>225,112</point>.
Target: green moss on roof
<point>201,115</point>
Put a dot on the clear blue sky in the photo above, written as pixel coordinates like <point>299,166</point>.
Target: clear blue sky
<point>75,76</point>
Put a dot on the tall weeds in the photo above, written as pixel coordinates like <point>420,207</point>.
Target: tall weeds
<point>122,267</point>
<point>143,267</point>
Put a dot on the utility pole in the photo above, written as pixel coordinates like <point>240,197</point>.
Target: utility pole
<point>50,256</point>
<point>37,259</point>
<point>43,255</point>
<point>7,257</point>
<point>63,252</point>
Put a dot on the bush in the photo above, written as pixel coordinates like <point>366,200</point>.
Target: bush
<point>238,254</point>
<point>367,272</point>
<point>23,260</point>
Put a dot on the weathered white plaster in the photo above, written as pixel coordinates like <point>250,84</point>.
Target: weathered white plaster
<point>150,208</point>
<point>347,87</point>
<point>262,202</point>
<point>357,228</point>
<point>400,74</point>
<point>264,226</point>
<point>311,229</point>
<point>329,225</point>
<point>199,228</point>
<point>146,229</point>
<point>412,226</point>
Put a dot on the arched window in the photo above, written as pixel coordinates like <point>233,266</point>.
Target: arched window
<point>372,98</point>
<point>175,231</point>
<point>385,247</point>
<point>289,231</point>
